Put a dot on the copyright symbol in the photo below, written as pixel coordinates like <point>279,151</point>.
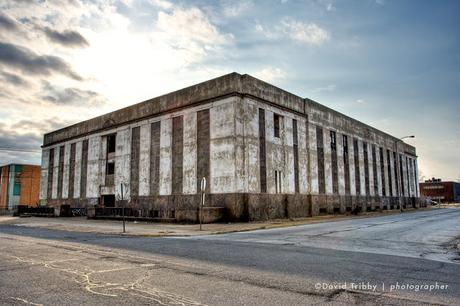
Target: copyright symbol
<point>317,286</point>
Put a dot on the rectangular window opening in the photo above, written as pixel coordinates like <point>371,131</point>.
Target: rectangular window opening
<point>111,143</point>
<point>333,140</point>
<point>110,168</point>
<point>277,125</point>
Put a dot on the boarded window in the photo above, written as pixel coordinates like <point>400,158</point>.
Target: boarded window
<point>17,189</point>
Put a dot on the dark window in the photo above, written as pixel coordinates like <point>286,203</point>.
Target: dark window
<point>333,141</point>
<point>356,160</point>
<point>262,157</point>
<point>345,144</point>
<point>382,172</point>
<point>110,168</point>
<point>390,175</point>
<point>277,124</point>
<point>111,143</point>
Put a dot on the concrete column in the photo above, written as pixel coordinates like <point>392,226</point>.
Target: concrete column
<point>240,175</point>
<point>417,194</point>
<point>123,162</point>
<point>379,171</point>
<point>251,139</point>
<point>351,158</point>
<point>303,155</point>
<point>405,176</point>
<point>289,180</point>
<point>371,169</point>
<point>103,160</point>
<point>327,161</point>
<point>93,181</point>
<point>165,157</point>
<point>65,180</point>
<point>361,167</point>
<point>222,147</point>
<point>340,164</point>
<point>77,178</point>
<point>271,152</point>
<point>314,187</point>
<point>44,174</point>
<point>385,172</point>
<point>55,172</point>
<point>393,176</point>
<point>144,160</point>
<point>410,177</point>
<point>190,154</point>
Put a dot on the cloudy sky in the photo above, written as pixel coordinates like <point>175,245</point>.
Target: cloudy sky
<point>391,64</point>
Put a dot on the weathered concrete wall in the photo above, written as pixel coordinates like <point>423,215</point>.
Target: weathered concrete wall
<point>122,162</point>
<point>229,154</point>
<point>222,159</point>
<point>190,153</point>
<point>65,181</point>
<point>165,157</point>
<point>144,160</point>
<point>44,175</point>
<point>77,179</point>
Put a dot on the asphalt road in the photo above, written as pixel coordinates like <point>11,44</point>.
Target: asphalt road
<point>268,267</point>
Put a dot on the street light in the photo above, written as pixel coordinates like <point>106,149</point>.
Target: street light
<point>398,165</point>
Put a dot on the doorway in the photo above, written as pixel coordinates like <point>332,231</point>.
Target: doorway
<point>108,200</point>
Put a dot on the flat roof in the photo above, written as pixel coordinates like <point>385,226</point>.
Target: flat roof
<point>224,86</point>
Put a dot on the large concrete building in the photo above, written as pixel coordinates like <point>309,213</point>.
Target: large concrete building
<point>266,153</point>
<point>19,185</point>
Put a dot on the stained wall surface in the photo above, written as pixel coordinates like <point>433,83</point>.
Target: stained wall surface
<point>264,152</point>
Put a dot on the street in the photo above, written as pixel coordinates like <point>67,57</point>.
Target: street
<point>404,259</point>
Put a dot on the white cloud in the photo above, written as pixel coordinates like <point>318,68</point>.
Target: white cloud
<point>190,26</point>
<point>270,74</point>
<point>162,3</point>
<point>236,8</point>
<point>309,33</point>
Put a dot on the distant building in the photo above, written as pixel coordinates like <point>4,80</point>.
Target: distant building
<point>19,185</point>
<point>437,190</point>
<point>264,152</point>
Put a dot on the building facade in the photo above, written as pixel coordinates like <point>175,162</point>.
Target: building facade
<point>265,153</point>
<point>439,191</point>
<point>19,185</point>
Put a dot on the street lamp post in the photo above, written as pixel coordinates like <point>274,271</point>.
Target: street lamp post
<point>398,174</point>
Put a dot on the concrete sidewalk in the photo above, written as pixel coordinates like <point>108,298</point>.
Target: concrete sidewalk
<point>81,224</point>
